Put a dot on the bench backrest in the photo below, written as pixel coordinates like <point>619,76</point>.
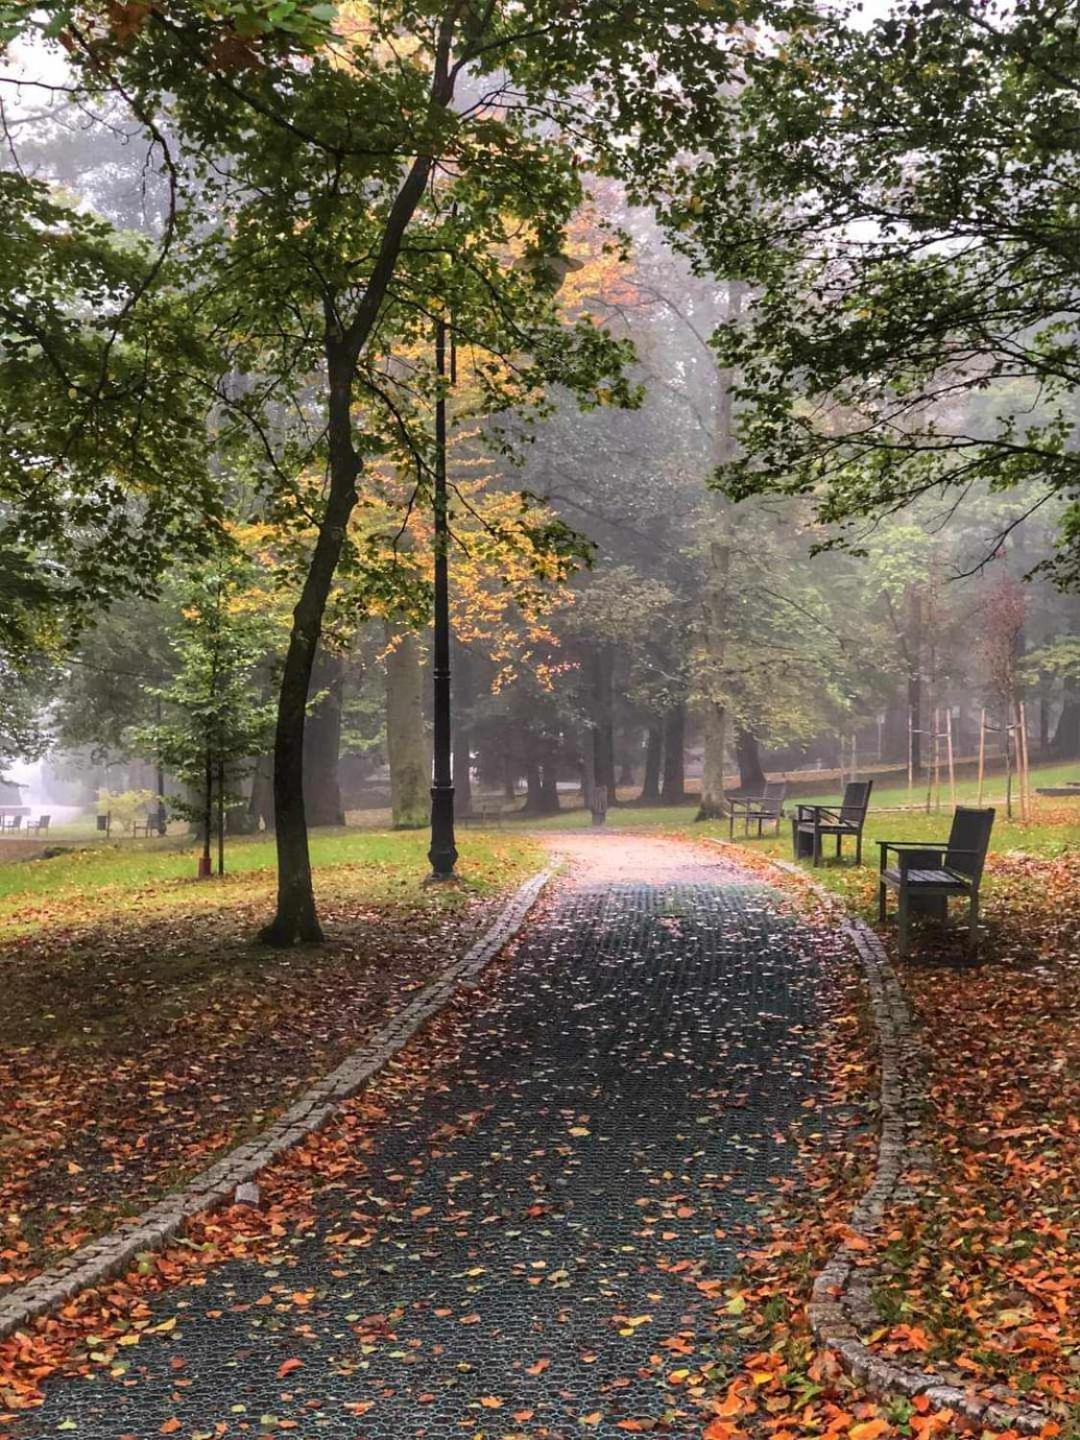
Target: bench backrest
<point>969,840</point>
<point>856,799</point>
<point>772,797</point>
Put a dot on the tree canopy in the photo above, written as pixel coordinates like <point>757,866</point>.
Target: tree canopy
<point>902,195</point>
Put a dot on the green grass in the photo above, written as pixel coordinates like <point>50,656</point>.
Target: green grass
<point>1056,825</point>
<point>376,865</point>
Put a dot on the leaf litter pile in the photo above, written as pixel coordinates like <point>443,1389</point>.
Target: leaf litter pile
<point>976,1278</point>
<point>547,1218</point>
<point>137,1048</point>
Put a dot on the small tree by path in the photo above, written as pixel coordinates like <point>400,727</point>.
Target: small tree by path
<point>213,725</point>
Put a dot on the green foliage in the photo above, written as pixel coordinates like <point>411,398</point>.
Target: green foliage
<point>213,723</point>
<point>103,475</point>
<point>903,196</point>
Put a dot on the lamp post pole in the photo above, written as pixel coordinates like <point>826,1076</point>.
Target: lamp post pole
<point>443,852</point>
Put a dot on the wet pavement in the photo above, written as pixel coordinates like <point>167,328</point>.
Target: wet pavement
<point>542,1239</point>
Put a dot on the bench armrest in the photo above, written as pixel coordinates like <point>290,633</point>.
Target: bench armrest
<point>815,810</point>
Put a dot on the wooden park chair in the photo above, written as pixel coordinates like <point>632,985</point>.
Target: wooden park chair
<point>40,825</point>
<point>766,808</point>
<point>811,822</point>
<point>927,874</point>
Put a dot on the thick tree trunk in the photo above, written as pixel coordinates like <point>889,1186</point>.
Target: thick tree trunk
<point>549,788</point>
<point>322,743</point>
<point>406,742</point>
<point>510,778</point>
<point>751,775</point>
<point>534,790</point>
<point>713,804</point>
<point>673,789</point>
<point>604,719</point>
<point>654,749</point>
<point>296,918</point>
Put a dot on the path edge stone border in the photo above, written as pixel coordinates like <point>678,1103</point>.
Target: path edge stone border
<point>215,1187</point>
<point>841,1303</point>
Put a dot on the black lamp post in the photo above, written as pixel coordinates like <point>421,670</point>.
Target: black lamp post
<point>443,852</point>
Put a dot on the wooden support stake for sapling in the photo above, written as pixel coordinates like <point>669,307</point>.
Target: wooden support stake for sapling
<point>1025,769</point>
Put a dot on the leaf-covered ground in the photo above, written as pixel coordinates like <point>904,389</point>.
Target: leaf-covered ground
<point>142,1032</point>
<point>530,1226</point>
<point>979,1277</point>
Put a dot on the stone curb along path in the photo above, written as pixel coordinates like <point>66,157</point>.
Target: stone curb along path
<point>841,1304</point>
<point>215,1187</point>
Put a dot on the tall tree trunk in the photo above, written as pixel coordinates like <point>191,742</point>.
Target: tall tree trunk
<point>406,742</point>
<point>549,788</point>
<point>322,742</point>
<point>261,804</point>
<point>654,749</point>
<point>914,678</point>
<point>534,790</point>
<point>603,719</point>
<point>296,918</point>
<point>713,804</point>
<point>1066,742</point>
<point>463,697</point>
<point>587,752</point>
<point>717,594</point>
<point>673,789</point>
<point>751,775</point>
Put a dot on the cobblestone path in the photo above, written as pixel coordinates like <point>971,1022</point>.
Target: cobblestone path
<point>618,1108</point>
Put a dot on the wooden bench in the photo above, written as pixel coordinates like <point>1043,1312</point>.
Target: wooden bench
<point>811,822</point>
<point>927,874</point>
<point>768,807</point>
<point>39,826</point>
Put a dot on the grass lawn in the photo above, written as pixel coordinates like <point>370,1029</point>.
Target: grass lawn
<point>126,876</point>
<point>142,1031</point>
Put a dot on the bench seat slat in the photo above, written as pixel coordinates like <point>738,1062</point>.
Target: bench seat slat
<point>940,879</point>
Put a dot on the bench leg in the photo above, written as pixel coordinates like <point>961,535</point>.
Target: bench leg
<point>973,923</point>
<point>817,847</point>
<point>731,825</point>
<point>881,900</point>
<point>905,921</point>
<point>858,848</point>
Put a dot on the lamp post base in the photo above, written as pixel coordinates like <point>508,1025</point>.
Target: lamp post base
<point>443,853</point>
